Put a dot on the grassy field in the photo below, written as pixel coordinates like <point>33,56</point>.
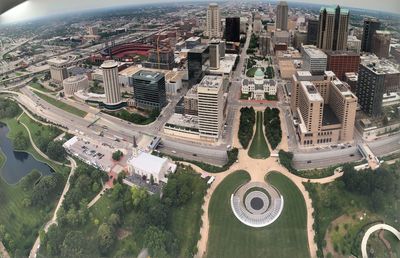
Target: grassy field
<point>259,148</point>
<point>286,237</point>
<point>61,105</point>
<point>39,86</point>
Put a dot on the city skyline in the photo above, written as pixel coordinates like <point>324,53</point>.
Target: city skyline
<point>34,9</point>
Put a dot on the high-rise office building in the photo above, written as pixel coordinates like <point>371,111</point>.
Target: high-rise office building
<point>333,28</point>
<point>198,61</point>
<point>381,43</point>
<point>312,32</point>
<point>341,62</point>
<point>210,107</point>
<point>232,29</point>
<point>376,77</point>
<point>370,26</point>
<point>325,109</point>
<point>149,90</point>
<point>58,69</point>
<point>111,83</point>
<point>213,29</point>
<point>265,43</point>
<point>214,54</point>
<point>315,60</point>
<point>282,15</point>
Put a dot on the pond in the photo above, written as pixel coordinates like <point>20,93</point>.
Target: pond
<point>18,164</point>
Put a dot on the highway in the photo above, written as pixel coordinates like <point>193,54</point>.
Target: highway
<point>117,127</point>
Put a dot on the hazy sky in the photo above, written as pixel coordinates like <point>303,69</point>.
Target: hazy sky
<point>40,8</point>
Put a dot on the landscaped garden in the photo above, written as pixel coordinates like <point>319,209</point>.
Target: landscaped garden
<point>345,208</point>
<point>136,118</point>
<point>247,120</point>
<point>126,220</point>
<point>250,72</point>
<point>285,238</point>
<point>28,204</point>
<point>61,105</point>
<point>259,147</point>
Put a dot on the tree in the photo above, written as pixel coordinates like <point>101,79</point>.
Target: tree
<point>156,240</point>
<point>73,245</point>
<point>117,155</point>
<point>114,220</point>
<point>56,151</point>
<point>106,238</point>
<point>20,142</point>
<point>139,195</point>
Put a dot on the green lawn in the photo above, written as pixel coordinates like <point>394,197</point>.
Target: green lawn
<point>286,237</point>
<point>61,105</point>
<point>259,148</point>
<point>39,86</point>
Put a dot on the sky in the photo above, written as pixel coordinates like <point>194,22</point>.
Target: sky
<point>41,8</point>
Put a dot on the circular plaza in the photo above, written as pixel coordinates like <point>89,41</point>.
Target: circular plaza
<point>257,204</point>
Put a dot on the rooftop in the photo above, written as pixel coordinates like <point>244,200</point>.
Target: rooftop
<point>211,81</point>
<point>193,39</point>
<point>76,78</point>
<point>186,121</point>
<point>380,66</point>
<point>108,64</point>
<point>311,91</point>
<point>313,51</point>
<point>148,75</point>
<point>147,162</point>
<point>341,53</point>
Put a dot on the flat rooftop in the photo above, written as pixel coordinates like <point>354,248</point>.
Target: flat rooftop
<point>313,52</point>
<point>380,66</point>
<point>226,64</point>
<point>329,117</point>
<point>148,75</point>
<point>311,91</point>
<point>186,121</point>
<point>211,81</point>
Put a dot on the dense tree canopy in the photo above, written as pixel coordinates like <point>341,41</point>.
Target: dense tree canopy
<point>8,108</point>
<point>247,120</point>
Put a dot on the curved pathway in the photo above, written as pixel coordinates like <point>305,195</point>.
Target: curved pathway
<point>34,145</point>
<point>372,230</point>
<point>53,220</point>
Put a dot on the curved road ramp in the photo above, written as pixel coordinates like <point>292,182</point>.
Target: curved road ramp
<point>372,230</point>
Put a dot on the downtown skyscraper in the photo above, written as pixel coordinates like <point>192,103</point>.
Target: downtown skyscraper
<point>333,28</point>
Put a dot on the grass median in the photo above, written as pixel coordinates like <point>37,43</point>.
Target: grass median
<point>61,105</point>
<point>259,148</point>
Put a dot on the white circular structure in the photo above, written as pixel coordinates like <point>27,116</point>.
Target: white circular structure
<point>111,82</point>
<point>75,83</point>
<point>372,230</point>
<point>257,204</point>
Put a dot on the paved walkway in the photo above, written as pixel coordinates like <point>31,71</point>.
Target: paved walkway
<point>258,169</point>
<point>98,196</point>
<point>53,220</point>
<point>3,251</point>
<point>372,230</point>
